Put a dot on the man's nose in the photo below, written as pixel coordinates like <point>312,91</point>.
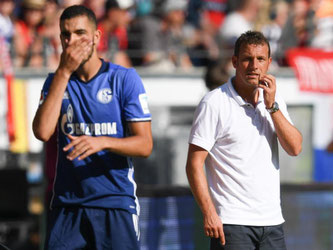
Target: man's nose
<point>254,64</point>
<point>70,39</point>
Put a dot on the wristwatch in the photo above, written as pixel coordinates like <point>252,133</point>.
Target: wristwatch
<point>274,108</point>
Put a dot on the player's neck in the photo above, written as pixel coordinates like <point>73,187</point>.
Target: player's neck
<point>88,70</point>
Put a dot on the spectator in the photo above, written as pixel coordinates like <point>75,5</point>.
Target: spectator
<point>144,7</point>
<point>114,39</point>
<point>66,3</point>
<point>6,24</point>
<point>29,45</point>
<point>144,10</point>
<point>207,16</point>
<point>165,39</point>
<point>51,33</point>
<point>236,22</point>
<point>272,31</point>
<point>214,12</point>
<point>298,30</point>
<point>215,75</point>
<point>97,6</point>
<point>324,16</point>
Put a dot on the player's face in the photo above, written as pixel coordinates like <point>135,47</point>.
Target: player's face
<point>76,30</point>
<point>251,63</point>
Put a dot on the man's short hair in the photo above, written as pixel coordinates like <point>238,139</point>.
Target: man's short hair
<point>78,10</point>
<point>251,37</point>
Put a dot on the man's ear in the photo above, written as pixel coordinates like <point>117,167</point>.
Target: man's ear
<point>270,61</point>
<point>97,36</point>
<point>234,61</point>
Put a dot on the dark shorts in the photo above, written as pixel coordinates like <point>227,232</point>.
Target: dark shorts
<point>92,228</point>
<point>251,238</point>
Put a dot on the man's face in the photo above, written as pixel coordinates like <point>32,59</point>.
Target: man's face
<point>76,30</point>
<point>119,17</point>
<point>251,63</point>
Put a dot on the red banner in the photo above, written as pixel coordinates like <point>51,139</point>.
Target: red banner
<point>313,69</point>
<point>8,73</point>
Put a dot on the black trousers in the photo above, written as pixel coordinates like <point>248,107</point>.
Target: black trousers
<point>239,237</point>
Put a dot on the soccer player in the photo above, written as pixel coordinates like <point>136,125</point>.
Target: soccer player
<point>102,118</point>
<point>235,132</point>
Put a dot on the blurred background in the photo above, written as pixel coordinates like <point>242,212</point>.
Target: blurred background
<point>181,49</point>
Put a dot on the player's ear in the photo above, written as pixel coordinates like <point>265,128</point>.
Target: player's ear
<point>234,61</point>
<point>97,36</point>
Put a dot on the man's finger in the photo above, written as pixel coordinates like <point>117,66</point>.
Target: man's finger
<point>72,143</point>
<point>221,236</point>
<point>77,151</point>
<point>85,154</point>
<point>71,137</point>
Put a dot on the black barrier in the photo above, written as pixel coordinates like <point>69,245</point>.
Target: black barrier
<point>13,193</point>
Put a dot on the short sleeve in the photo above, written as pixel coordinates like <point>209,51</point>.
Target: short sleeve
<point>45,89</point>
<point>203,132</point>
<point>135,98</point>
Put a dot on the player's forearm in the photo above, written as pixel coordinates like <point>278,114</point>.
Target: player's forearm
<point>136,145</point>
<point>289,137</point>
<point>47,115</point>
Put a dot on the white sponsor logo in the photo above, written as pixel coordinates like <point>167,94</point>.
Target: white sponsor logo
<point>95,129</point>
<point>144,103</point>
<point>104,95</point>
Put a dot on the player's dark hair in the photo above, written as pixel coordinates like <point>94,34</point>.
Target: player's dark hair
<point>78,10</point>
<point>251,37</point>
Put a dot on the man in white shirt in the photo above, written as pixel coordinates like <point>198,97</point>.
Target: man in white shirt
<point>235,133</point>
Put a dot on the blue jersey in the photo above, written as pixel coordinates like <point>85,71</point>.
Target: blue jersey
<point>101,107</point>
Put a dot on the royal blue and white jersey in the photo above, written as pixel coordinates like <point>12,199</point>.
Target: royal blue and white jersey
<point>101,107</point>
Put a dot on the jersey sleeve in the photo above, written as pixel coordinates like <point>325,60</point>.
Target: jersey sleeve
<point>135,98</point>
<point>203,132</point>
<point>45,89</point>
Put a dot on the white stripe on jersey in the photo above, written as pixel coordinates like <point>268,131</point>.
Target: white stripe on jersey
<point>135,219</point>
<point>130,175</point>
<point>139,119</point>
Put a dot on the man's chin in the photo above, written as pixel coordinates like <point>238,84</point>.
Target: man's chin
<point>253,82</point>
<point>85,61</point>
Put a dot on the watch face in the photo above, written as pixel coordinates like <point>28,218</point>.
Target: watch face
<point>274,108</point>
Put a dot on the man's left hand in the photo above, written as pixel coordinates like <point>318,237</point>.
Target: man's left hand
<point>269,89</point>
<point>82,146</point>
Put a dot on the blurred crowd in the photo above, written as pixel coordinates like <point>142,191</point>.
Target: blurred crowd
<point>167,34</point>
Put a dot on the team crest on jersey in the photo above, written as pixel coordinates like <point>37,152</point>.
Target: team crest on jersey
<point>104,95</point>
<point>66,96</point>
<point>70,113</point>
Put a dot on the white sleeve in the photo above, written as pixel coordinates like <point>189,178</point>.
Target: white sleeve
<point>203,132</point>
